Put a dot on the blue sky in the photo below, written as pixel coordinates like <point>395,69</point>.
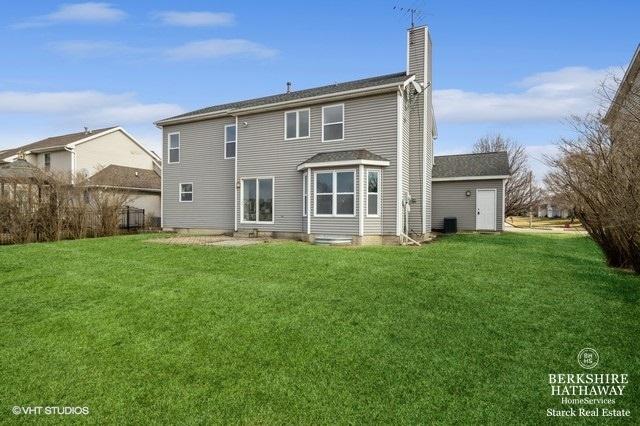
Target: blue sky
<point>515,67</point>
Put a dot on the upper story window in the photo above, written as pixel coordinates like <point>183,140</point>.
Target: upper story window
<point>335,193</point>
<point>373,192</point>
<point>296,124</point>
<point>333,123</point>
<point>47,161</point>
<point>186,192</point>
<point>174,147</point>
<point>230,141</point>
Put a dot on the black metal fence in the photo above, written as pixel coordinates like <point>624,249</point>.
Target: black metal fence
<point>131,218</point>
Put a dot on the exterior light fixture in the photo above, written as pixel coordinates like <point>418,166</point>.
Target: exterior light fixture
<point>468,193</point>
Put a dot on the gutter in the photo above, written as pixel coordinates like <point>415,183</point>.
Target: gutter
<point>390,87</point>
<point>125,187</point>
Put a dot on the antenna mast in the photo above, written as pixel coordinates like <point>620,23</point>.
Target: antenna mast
<point>415,13</point>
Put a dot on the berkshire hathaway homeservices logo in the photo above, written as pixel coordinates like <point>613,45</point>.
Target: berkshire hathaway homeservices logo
<point>588,394</point>
<point>588,358</point>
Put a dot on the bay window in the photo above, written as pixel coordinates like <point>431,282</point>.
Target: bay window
<point>373,192</point>
<point>257,200</point>
<point>335,193</point>
<point>305,195</point>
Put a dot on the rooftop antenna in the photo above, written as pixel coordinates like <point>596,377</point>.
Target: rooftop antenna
<point>288,87</point>
<point>412,11</point>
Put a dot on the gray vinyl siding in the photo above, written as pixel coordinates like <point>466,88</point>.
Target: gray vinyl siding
<point>450,200</point>
<point>417,52</point>
<point>201,162</point>
<point>406,150</point>
<point>416,162</point>
<point>420,132</point>
<point>370,123</point>
<point>429,130</point>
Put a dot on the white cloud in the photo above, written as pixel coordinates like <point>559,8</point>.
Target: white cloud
<point>90,12</point>
<point>90,105</point>
<point>86,48</point>
<point>195,19</point>
<point>217,48</point>
<point>546,96</point>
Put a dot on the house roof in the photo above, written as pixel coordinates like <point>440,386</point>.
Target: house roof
<point>471,165</point>
<point>630,75</point>
<point>126,177</point>
<point>297,95</point>
<point>52,142</point>
<point>344,158</point>
<point>18,169</point>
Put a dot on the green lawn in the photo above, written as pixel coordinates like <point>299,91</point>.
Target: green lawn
<point>466,329</point>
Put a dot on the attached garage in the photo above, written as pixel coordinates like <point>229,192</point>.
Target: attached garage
<point>470,188</point>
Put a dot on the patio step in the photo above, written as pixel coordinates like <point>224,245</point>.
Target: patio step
<point>333,240</point>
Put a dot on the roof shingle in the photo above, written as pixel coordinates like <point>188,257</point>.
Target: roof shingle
<point>126,177</point>
<point>300,94</point>
<point>52,142</point>
<point>355,154</point>
<point>482,164</point>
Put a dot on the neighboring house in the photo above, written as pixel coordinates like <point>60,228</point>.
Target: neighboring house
<point>627,98</point>
<point>470,187</point>
<point>111,152</point>
<point>143,186</point>
<point>550,208</point>
<point>349,159</point>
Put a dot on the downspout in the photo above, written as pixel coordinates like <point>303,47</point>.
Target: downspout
<point>235,181</point>
<point>399,137</point>
<point>309,174</point>
<point>361,201</point>
<point>73,163</point>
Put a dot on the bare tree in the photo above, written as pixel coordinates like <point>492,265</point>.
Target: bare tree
<point>49,206</point>
<point>599,173</point>
<point>521,192</point>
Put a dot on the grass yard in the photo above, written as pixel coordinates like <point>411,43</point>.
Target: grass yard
<point>543,222</point>
<point>463,330</point>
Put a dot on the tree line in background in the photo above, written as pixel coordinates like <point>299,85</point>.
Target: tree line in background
<point>51,206</point>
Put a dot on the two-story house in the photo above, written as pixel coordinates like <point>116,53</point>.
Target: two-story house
<point>110,156</point>
<point>352,160</point>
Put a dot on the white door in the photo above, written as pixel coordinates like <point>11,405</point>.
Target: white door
<point>486,209</point>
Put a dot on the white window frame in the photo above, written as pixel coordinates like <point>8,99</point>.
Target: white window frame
<point>273,200</point>
<point>297,136</point>
<point>336,122</point>
<point>178,148</point>
<point>378,172</point>
<point>305,195</point>
<point>235,142</point>
<point>180,192</point>
<point>335,193</point>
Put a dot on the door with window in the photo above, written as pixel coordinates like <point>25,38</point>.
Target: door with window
<point>486,209</point>
<point>257,200</point>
